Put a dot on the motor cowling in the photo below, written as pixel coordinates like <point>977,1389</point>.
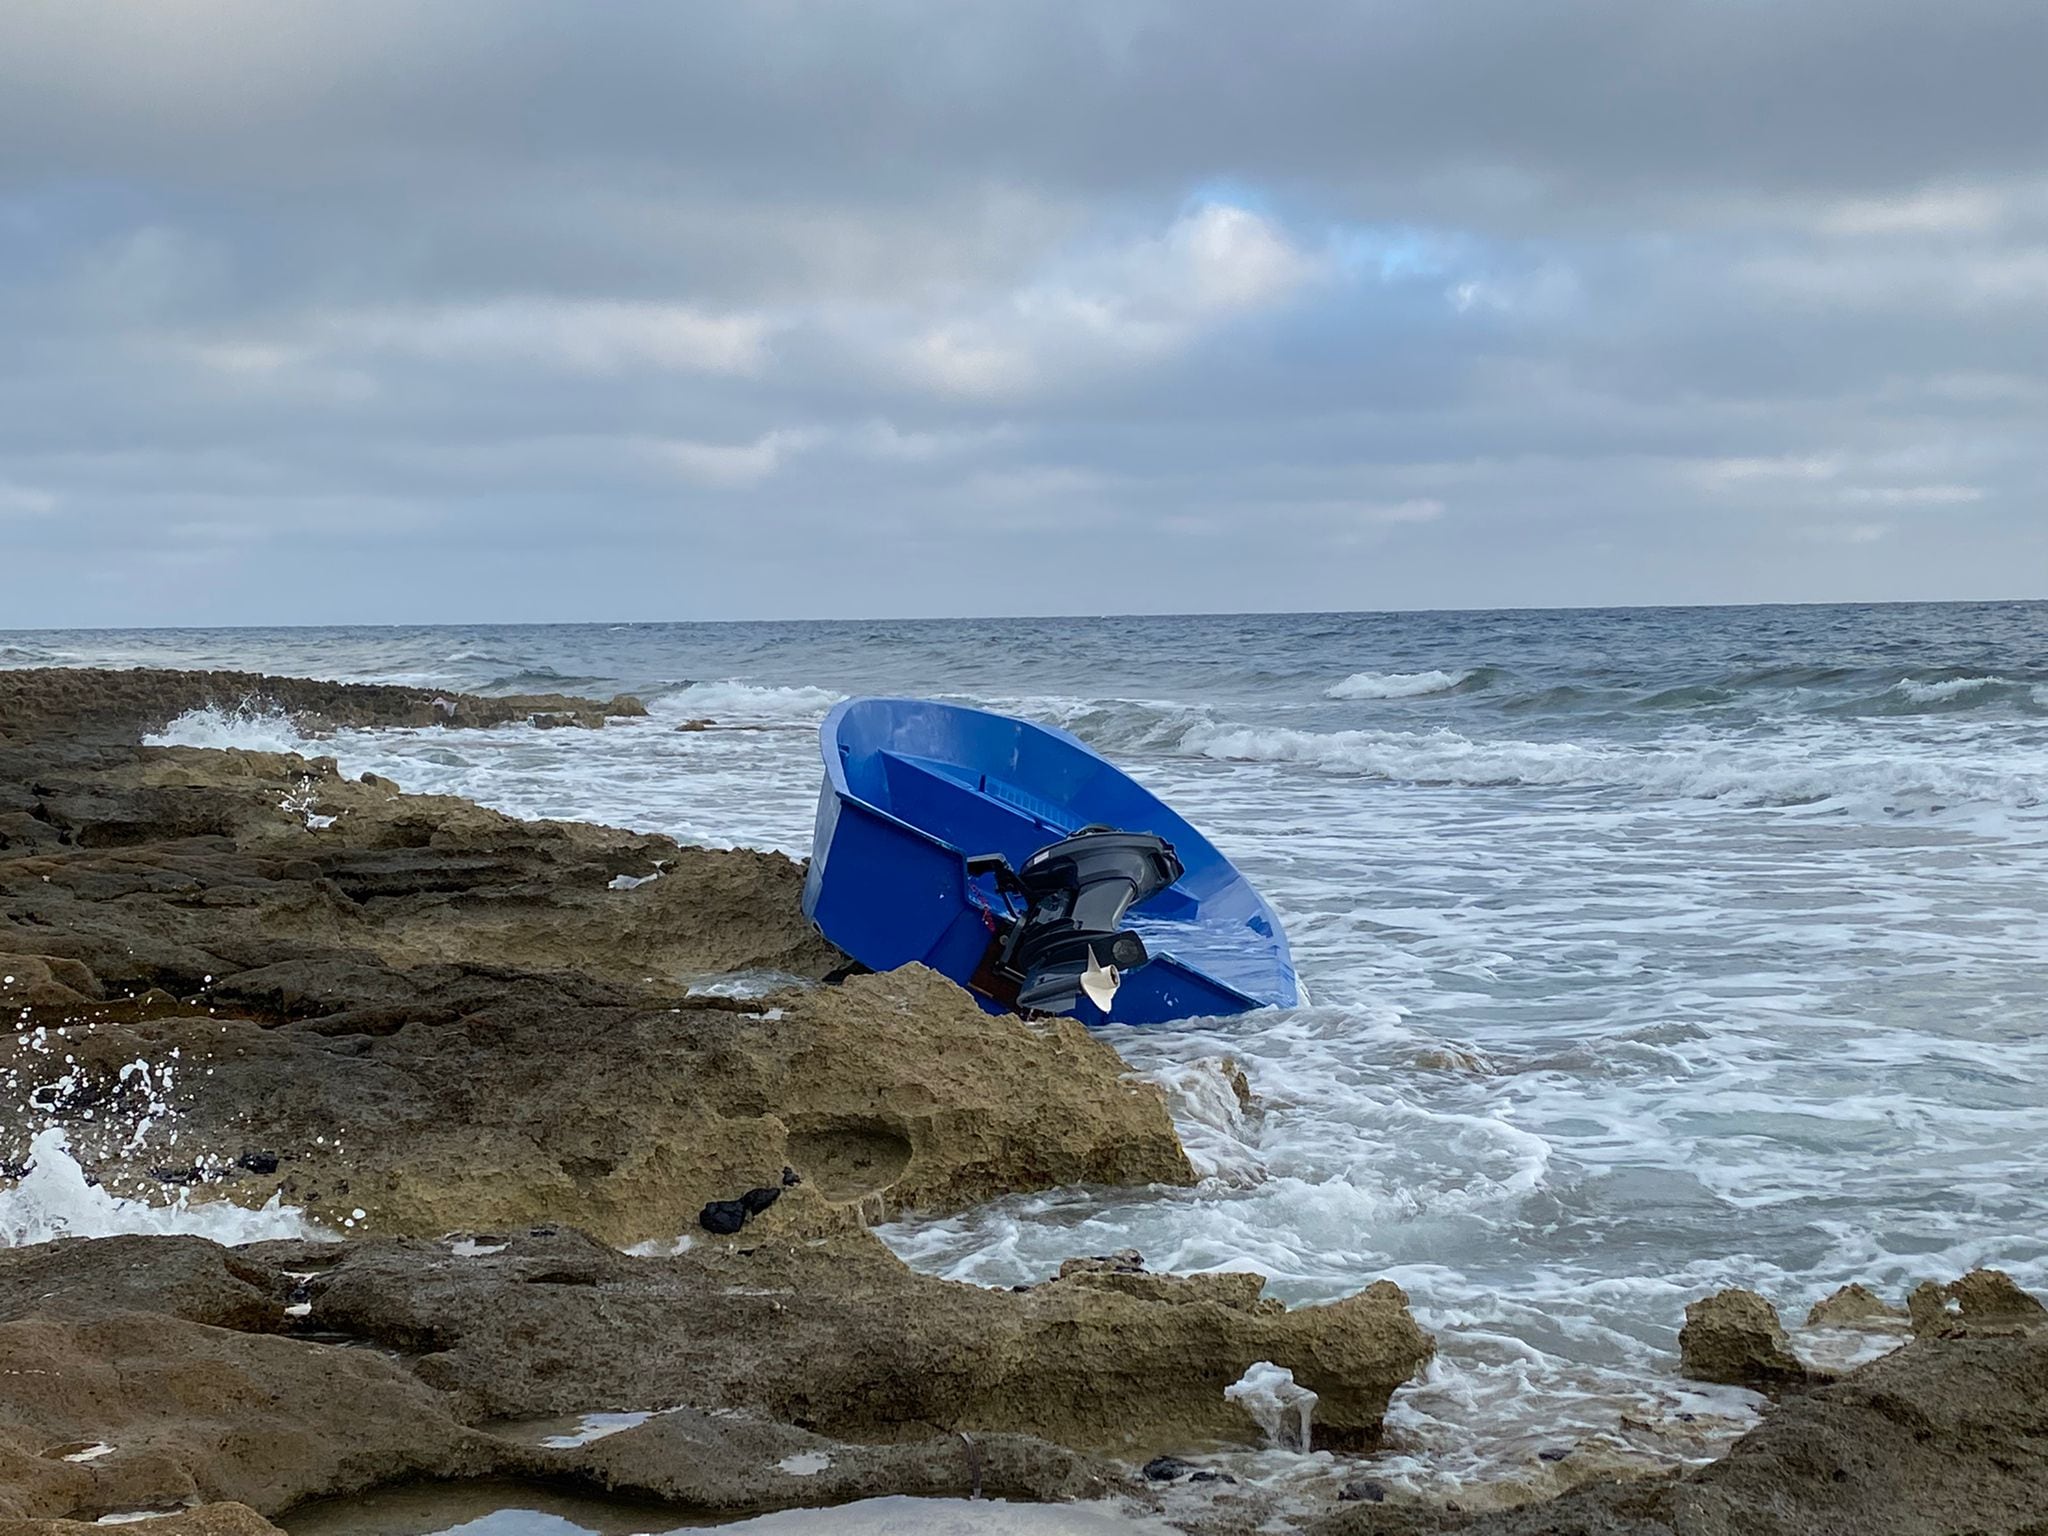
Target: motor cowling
<point>1075,893</point>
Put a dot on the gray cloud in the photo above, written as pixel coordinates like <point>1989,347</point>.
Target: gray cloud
<point>378,311</point>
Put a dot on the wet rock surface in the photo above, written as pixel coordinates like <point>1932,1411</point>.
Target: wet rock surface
<point>86,704</point>
<point>829,1331</point>
<point>183,1277</point>
<point>190,1413</point>
<point>238,975</point>
<point>205,1520</point>
<point>1734,1337</point>
<point>1947,1435</point>
<point>799,1368</point>
<point>1856,1306</point>
<point>412,1014</point>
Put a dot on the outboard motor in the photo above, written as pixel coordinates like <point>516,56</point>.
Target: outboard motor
<point>1067,940</point>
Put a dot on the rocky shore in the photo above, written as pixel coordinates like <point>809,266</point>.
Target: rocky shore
<point>479,1054</point>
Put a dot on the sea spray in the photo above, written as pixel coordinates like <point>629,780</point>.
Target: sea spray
<point>251,727</point>
<point>1283,1407</point>
<point>55,1198</point>
<point>1203,1098</point>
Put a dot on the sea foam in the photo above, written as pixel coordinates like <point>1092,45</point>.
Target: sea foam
<point>1949,688</point>
<point>1396,685</point>
<point>250,727</point>
<point>1780,773</point>
<point>752,703</point>
<point>55,1198</point>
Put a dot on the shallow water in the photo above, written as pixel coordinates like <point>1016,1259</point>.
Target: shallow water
<point>1652,951</point>
<point>501,1508</point>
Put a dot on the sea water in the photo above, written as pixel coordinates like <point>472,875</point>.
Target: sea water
<point>1651,951</point>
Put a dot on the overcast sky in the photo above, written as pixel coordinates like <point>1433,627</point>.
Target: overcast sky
<point>332,312</point>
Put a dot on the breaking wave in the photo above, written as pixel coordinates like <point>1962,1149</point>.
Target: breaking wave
<point>55,1198</point>
<point>544,680</point>
<point>1740,774</point>
<point>750,702</point>
<point>1397,685</point>
<point>1941,692</point>
<point>249,727</point>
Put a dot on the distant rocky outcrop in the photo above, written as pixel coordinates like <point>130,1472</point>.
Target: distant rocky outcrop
<point>93,704</point>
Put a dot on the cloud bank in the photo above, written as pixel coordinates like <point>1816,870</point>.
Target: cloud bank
<point>517,311</point>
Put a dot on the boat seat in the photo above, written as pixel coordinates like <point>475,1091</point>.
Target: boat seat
<point>1042,810</point>
<point>961,814</point>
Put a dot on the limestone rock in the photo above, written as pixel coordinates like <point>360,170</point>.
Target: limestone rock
<point>798,1367</point>
<point>205,1520</point>
<point>1856,1306</point>
<point>1948,1434</point>
<point>834,1334</point>
<point>1983,1301</point>
<point>96,703</point>
<point>186,1277</point>
<point>39,981</point>
<point>193,1413</point>
<point>425,1012</point>
<point>728,1463</point>
<point>1240,1085</point>
<point>1734,1337</point>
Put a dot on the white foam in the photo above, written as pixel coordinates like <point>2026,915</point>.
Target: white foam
<point>55,1199</point>
<point>1778,773</point>
<point>1952,688</point>
<point>804,1463</point>
<point>1395,685</point>
<point>251,727</point>
<point>1283,1407</point>
<point>595,1426</point>
<point>1211,1120</point>
<point>751,703</point>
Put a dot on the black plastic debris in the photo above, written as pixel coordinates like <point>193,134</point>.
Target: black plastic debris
<point>1171,1469</point>
<point>725,1217</point>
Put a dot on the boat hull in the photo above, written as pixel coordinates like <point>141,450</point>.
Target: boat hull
<point>913,788</point>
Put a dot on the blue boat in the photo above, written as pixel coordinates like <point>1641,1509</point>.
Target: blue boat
<point>1021,863</point>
